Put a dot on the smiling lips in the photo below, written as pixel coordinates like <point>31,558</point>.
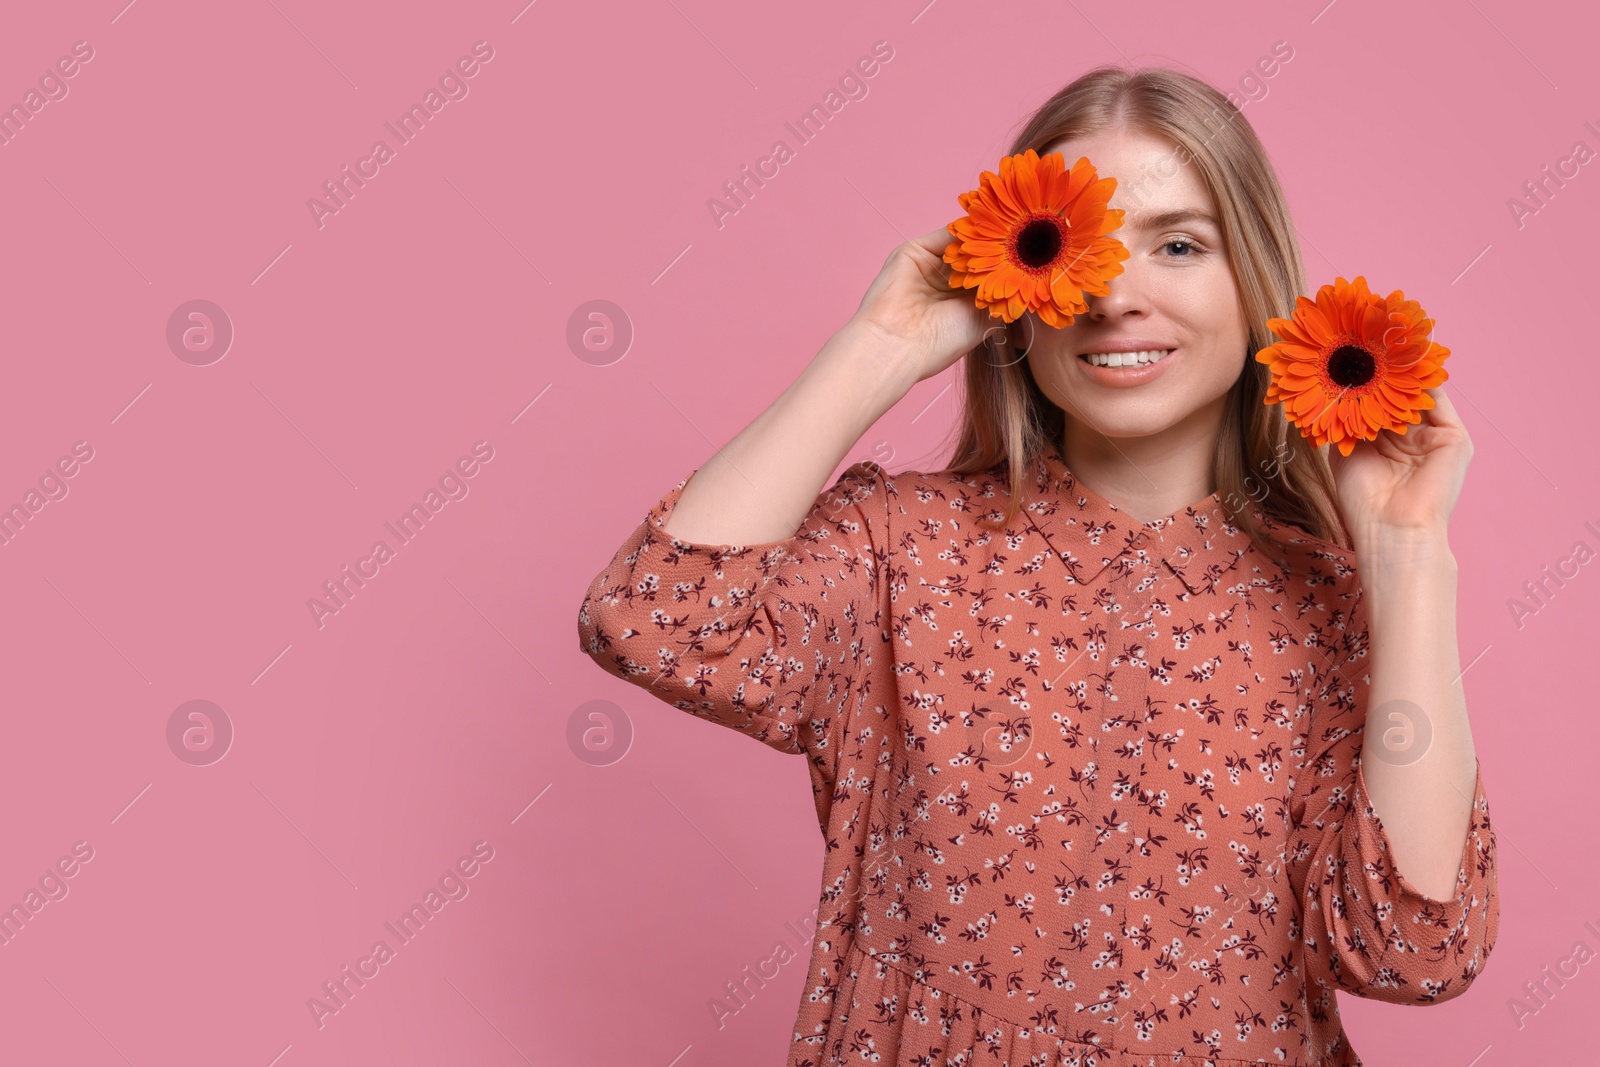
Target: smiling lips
<point>1126,359</point>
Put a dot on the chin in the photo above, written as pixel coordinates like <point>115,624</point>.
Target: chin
<point>1127,420</point>
<point>1135,429</point>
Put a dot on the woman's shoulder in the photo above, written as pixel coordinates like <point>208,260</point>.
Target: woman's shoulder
<point>1315,586</point>
<point>920,491</point>
<point>1316,574</point>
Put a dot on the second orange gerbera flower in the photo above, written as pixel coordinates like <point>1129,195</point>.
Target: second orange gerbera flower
<point>1352,363</point>
<point>1034,238</point>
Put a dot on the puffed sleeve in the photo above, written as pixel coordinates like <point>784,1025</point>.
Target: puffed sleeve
<point>1366,928</point>
<point>768,639</point>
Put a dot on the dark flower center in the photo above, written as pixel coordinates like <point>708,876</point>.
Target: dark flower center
<point>1351,367</point>
<point>1039,243</point>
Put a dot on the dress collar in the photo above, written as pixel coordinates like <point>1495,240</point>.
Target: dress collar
<point>1089,533</point>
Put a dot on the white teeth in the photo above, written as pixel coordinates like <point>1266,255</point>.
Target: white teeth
<point>1126,359</point>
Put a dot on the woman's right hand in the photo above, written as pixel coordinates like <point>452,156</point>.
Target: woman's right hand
<point>911,325</point>
<point>910,305</point>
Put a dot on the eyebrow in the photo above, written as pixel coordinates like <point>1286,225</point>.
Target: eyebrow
<point>1142,221</point>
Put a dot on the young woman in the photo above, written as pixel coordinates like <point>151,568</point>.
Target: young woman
<point>1138,730</point>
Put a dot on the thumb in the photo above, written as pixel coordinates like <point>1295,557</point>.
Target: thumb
<point>935,241</point>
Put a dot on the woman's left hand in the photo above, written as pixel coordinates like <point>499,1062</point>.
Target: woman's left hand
<point>1404,485</point>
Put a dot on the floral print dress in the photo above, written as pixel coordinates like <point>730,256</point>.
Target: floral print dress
<point>1091,788</point>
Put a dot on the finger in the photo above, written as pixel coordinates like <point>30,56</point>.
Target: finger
<point>1443,412</point>
<point>1337,459</point>
<point>935,241</point>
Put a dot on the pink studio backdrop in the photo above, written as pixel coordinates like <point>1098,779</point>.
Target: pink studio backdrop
<point>374,348</point>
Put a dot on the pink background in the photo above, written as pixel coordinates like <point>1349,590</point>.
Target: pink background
<point>428,314</point>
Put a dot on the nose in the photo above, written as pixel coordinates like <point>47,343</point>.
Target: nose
<point>1126,296</point>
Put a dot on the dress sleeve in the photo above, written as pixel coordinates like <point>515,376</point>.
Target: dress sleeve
<point>1366,928</point>
<point>770,639</point>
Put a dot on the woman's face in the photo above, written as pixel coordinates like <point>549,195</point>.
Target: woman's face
<point>1176,292</point>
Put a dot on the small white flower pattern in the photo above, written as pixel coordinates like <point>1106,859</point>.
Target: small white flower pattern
<point>1091,788</point>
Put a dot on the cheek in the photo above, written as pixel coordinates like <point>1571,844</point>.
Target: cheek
<point>1217,359</point>
<point>1050,354</point>
<point>1216,376</point>
<point>1213,321</point>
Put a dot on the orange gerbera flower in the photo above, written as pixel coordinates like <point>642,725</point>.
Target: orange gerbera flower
<point>1034,238</point>
<point>1353,363</point>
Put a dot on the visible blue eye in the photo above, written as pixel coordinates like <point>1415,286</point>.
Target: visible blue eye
<point>1186,243</point>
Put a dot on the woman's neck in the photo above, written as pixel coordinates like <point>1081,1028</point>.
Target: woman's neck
<point>1151,476</point>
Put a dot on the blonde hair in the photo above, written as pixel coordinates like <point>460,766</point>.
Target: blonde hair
<point>1007,420</point>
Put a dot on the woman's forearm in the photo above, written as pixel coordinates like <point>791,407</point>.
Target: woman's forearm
<point>1416,699</point>
<point>759,487</point>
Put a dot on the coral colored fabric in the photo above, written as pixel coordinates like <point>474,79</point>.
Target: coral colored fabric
<point>1091,788</point>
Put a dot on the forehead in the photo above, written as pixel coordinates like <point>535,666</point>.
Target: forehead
<point>1153,180</point>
